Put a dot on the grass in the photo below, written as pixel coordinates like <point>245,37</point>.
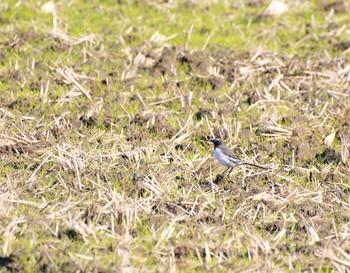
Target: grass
<point>105,110</point>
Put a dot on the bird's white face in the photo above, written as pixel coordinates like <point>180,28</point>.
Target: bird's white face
<point>216,141</point>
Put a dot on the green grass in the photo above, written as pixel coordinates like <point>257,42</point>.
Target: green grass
<point>121,178</point>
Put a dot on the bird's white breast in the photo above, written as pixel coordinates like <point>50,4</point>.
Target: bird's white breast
<point>223,159</point>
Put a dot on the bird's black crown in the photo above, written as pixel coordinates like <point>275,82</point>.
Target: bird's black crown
<point>216,141</point>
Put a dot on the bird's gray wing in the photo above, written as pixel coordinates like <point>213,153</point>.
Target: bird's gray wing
<point>231,154</point>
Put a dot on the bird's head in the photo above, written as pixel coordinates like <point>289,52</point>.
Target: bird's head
<point>216,141</point>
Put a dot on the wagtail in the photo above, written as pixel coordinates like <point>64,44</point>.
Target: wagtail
<point>228,158</point>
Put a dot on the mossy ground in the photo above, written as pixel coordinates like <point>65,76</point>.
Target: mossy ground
<point>105,111</point>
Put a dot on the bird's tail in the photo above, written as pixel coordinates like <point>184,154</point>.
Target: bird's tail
<point>257,166</point>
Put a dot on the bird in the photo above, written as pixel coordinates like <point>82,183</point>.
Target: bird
<point>228,158</point>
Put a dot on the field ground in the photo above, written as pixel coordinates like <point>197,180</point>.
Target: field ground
<point>105,112</point>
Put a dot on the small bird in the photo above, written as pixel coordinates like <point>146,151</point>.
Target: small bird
<point>228,158</point>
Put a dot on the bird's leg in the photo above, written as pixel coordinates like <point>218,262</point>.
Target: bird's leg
<point>225,171</point>
<point>231,169</point>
